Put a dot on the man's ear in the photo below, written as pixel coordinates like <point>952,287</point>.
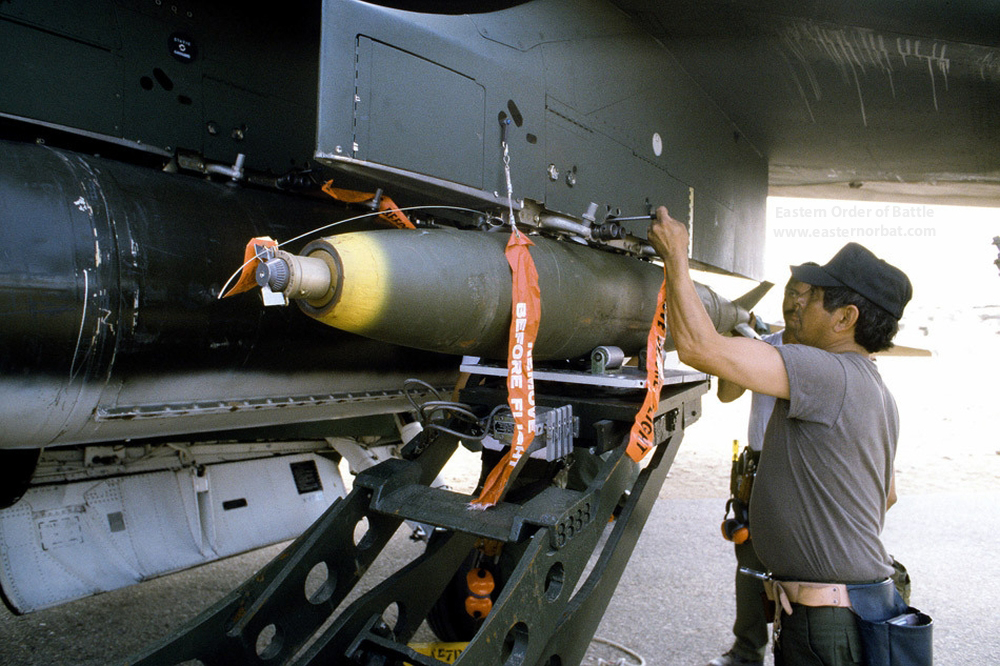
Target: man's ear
<point>845,317</point>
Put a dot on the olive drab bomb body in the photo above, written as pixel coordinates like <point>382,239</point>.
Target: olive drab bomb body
<point>448,291</point>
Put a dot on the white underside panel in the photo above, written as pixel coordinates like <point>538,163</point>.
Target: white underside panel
<point>65,542</point>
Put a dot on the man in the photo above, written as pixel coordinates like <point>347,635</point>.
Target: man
<point>820,494</point>
<point>750,626</point>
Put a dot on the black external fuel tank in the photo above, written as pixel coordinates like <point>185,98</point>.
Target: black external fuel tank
<point>110,325</point>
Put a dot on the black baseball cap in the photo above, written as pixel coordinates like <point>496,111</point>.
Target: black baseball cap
<point>855,267</point>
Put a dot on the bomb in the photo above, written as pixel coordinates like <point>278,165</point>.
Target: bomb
<point>448,290</point>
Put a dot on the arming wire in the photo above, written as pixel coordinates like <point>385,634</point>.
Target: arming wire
<point>317,230</point>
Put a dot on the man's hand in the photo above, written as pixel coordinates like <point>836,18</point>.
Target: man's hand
<point>752,364</point>
<point>668,236</point>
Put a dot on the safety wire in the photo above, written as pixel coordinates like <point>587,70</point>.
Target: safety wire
<point>510,210</point>
<point>377,213</point>
<point>506,172</point>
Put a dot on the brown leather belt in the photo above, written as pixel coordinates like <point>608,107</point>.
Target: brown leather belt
<point>788,592</point>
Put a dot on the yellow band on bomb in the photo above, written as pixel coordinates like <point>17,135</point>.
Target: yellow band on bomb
<point>364,274</point>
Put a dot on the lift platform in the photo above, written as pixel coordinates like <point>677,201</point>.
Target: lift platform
<point>564,536</point>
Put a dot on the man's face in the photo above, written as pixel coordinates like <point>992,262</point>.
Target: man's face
<point>812,320</point>
<point>795,292</point>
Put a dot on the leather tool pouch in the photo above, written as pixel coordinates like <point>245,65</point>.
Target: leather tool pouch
<point>743,473</point>
<point>892,633</point>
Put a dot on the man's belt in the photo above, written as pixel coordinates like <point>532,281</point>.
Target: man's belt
<point>788,592</point>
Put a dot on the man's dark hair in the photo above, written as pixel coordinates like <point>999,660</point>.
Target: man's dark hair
<point>875,328</point>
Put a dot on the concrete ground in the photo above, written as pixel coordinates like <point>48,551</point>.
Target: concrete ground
<point>673,606</point>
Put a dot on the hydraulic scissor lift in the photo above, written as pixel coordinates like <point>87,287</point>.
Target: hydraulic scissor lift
<point>565,546</point>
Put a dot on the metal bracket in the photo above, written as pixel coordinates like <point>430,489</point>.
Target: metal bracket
<point>272,298</point>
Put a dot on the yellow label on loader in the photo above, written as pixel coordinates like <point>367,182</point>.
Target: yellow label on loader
<point>446,652</point>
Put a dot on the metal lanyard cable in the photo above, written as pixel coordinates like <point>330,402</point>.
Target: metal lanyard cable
<point>504,124</point>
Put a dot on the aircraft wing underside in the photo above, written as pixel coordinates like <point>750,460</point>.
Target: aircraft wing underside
<point>851,100</point>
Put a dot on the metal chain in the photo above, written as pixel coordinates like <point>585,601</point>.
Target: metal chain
<point>506,171</point>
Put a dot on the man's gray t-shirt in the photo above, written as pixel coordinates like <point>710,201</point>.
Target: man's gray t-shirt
<point>761,405</point>
<point>818,502</point>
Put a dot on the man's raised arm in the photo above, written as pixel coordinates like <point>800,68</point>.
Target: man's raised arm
<point>753,364</point>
